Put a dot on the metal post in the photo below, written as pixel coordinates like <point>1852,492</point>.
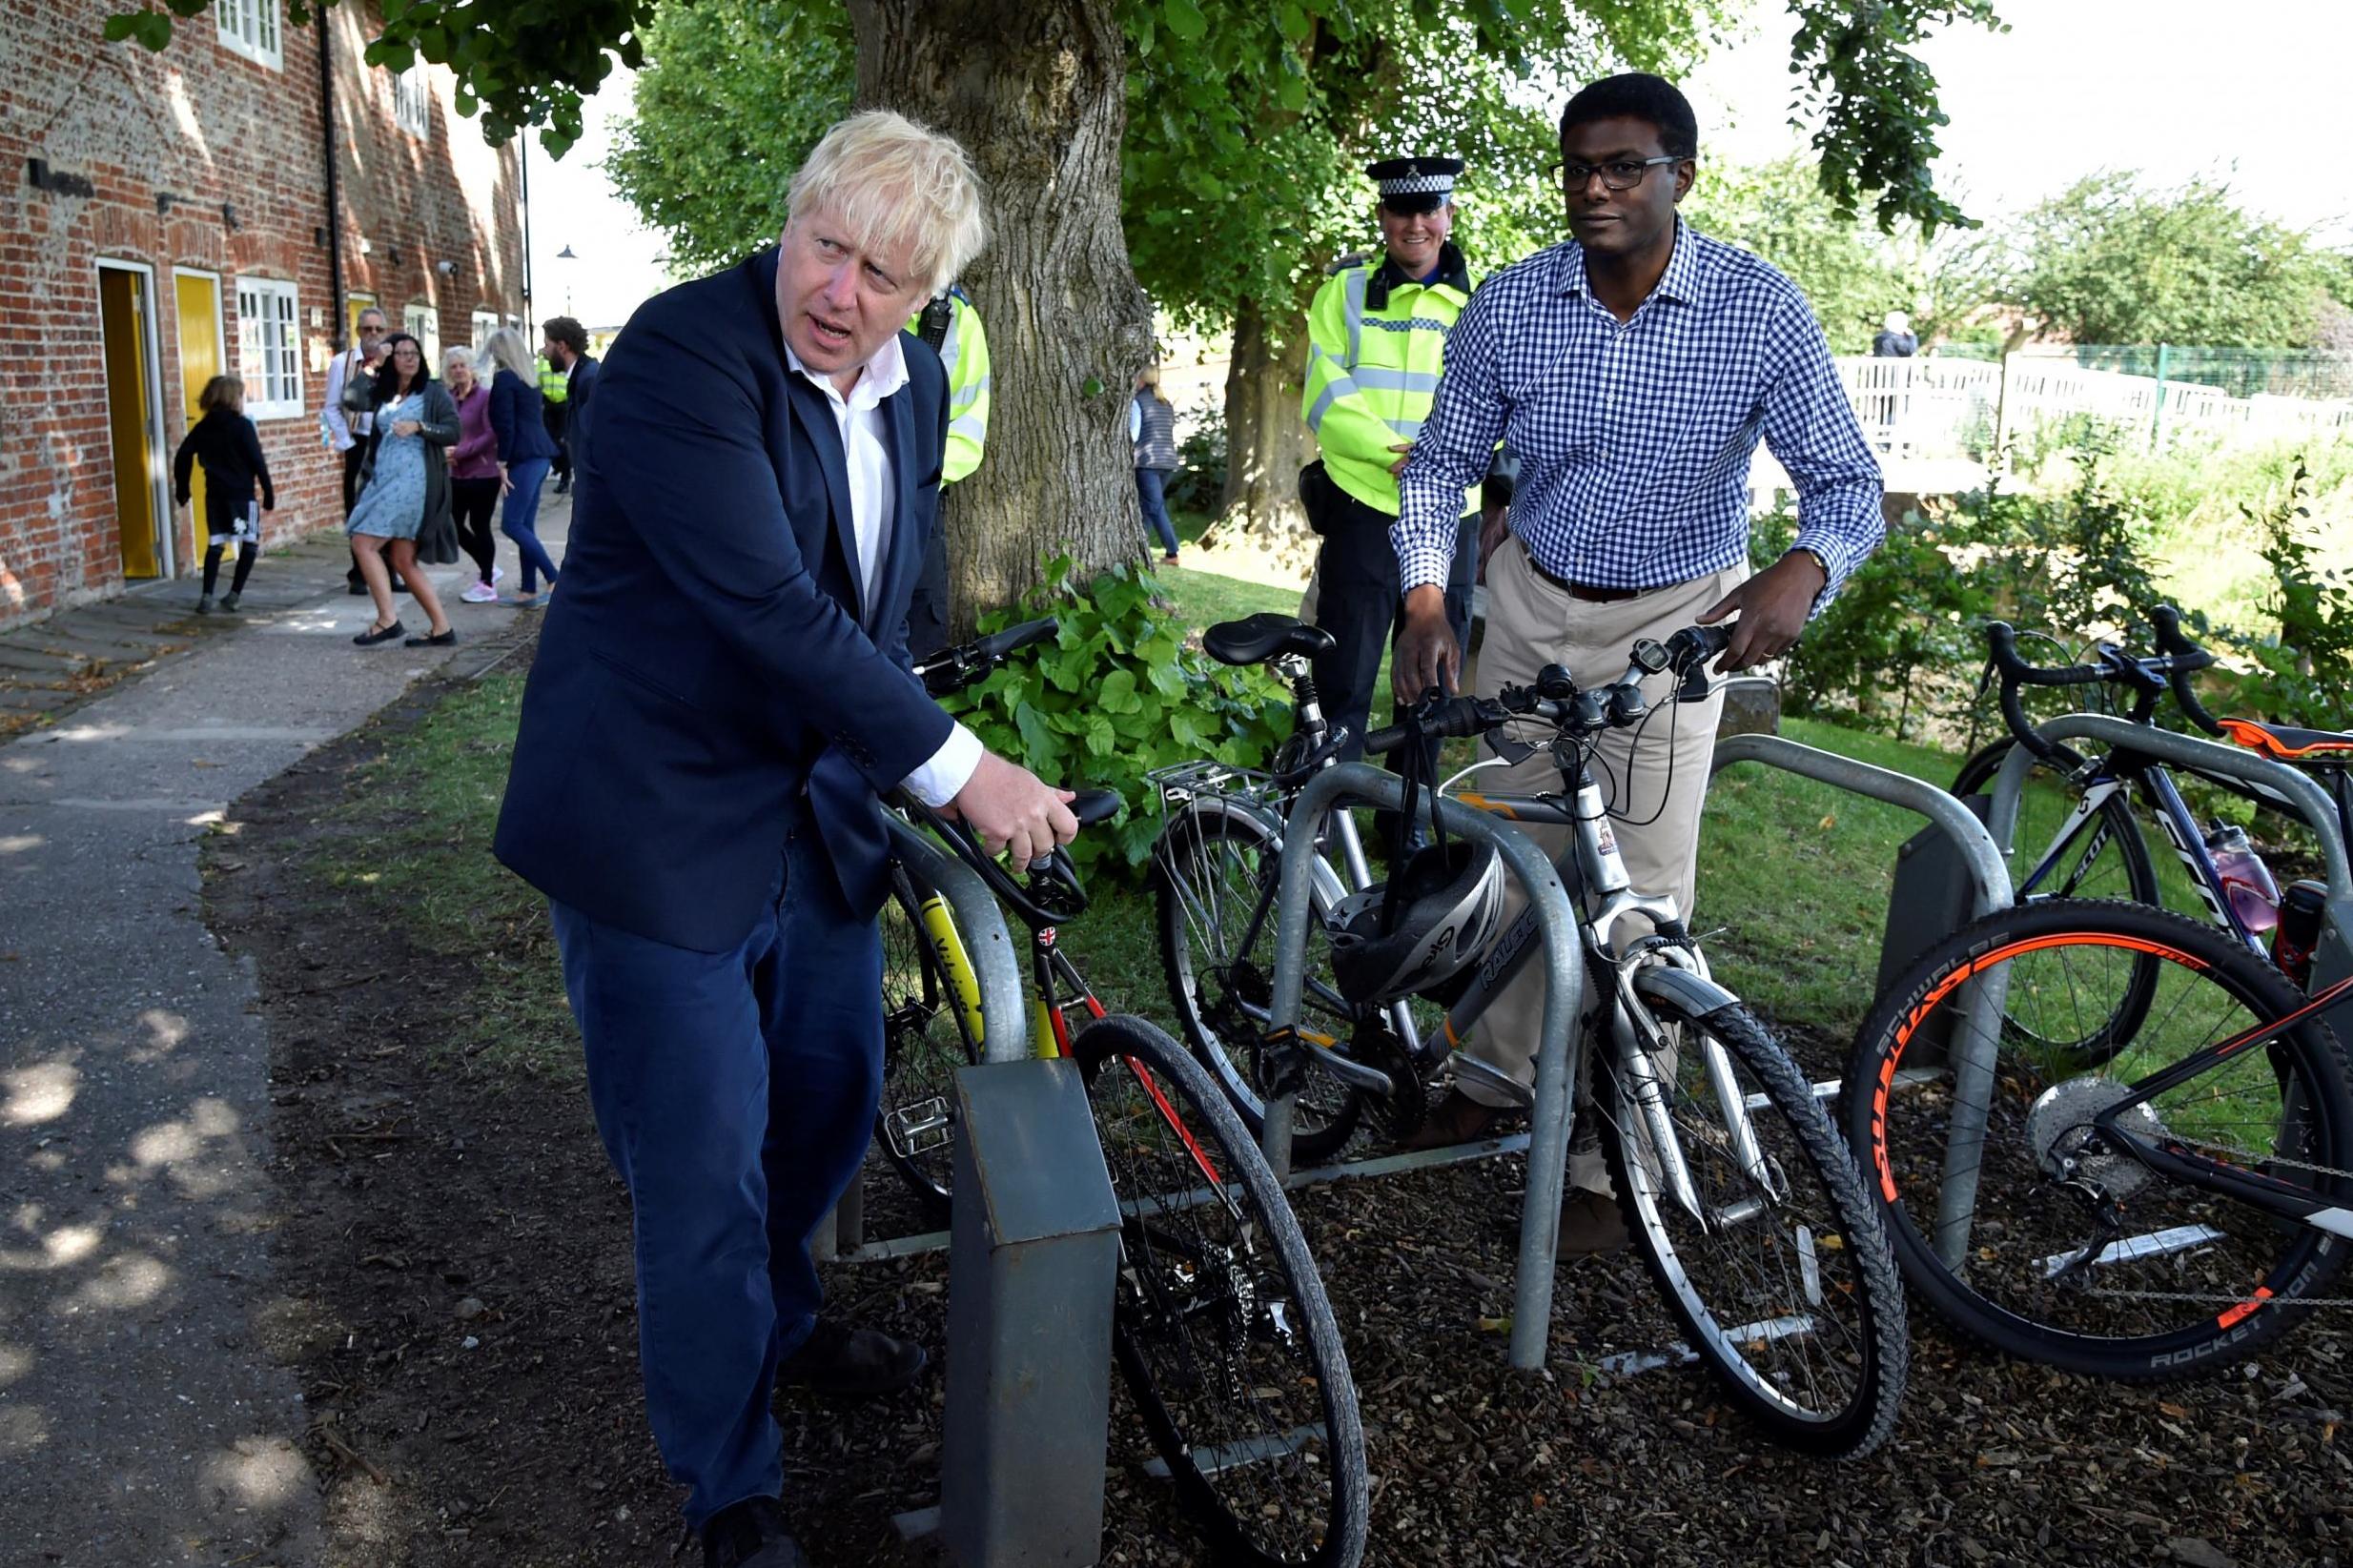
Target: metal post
<point>2157,416</point>
<point>1030,1279</point>
<point>1539,1214</point>
<point>1980,854</point>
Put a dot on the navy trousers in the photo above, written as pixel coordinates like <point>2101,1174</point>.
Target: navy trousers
<point>1359,599</point>
<point>735,1094</point>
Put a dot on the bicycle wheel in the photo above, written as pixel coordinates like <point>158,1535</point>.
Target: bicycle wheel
<point>2104,856</point>
<point>2075,1255</point>
<point>926,1037</point>
<point>1787,1287</point>
<point>1209,870</point>
<point>1220,1325</point>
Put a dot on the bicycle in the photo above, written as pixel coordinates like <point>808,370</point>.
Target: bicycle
<point>1214,872</point>
<point>2172,1204</point>
<point>1738,1192</point>
<point>1221,1326</point>
<point>2097,848</point>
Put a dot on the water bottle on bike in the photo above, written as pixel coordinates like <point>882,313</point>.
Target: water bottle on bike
<point>2246,880</point>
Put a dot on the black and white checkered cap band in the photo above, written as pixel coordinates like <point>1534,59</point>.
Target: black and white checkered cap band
<point>1418,184</point>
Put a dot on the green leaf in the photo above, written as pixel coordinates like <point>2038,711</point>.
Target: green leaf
<point>1099,734</point>
<point>1117,693</point>
<point>154,29</point>
<point>1185,19</point>
<point>1293,21</point>
<point>121,26</point>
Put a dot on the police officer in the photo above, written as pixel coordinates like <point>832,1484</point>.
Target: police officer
<point>950,325</point>
<point>1376,336</point>
<point>554,388</point>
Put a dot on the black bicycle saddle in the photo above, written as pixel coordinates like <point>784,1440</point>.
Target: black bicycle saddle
<point>1262,637</point>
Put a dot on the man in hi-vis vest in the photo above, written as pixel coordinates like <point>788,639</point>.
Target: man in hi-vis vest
<point>1376,339</point>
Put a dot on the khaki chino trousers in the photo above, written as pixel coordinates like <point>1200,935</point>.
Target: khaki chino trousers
<point>1653,777</point>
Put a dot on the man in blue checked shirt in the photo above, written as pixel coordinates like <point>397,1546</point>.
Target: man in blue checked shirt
<point>1632,368</point>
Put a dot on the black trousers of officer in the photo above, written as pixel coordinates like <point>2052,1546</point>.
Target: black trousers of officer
<point>1360,603</point>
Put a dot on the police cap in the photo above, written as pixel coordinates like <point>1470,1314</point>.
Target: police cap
<point>1414,185</point>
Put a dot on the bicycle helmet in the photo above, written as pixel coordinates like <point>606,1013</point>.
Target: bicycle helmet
<point>1450,906</point>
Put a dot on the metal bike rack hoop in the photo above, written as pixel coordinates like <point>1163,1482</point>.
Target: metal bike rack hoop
<point>1988,872</point>
<point>2310,801</point>
<point>1540,1214</point>
<point>1004,1014</point>
<point>1979,849</point>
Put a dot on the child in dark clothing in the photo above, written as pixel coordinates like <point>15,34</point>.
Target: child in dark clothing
<point>225,443</point>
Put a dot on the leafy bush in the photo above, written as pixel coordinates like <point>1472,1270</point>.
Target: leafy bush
<point>1199,485</point>
<point>1114,695</point>
<point>2302,668</point>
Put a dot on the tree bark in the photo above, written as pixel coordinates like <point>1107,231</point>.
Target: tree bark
<point>1035,89</point>
<point>1266,443</point>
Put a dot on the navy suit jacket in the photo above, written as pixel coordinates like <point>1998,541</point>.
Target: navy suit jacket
<point>709,673</point>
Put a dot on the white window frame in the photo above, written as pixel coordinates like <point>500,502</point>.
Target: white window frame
<point>424,323</point>
<point>269,361</point>
<point>250,27</point>
<point>484,323</point>
<point>412,100</point>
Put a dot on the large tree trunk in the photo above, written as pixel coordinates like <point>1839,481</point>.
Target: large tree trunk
<point>1266,441</point>
<point>1035,89</point>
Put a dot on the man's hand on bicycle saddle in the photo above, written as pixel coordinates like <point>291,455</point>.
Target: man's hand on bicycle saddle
<point>1427,655</point>
<point>1774,606</point>
<point>1011,809</point>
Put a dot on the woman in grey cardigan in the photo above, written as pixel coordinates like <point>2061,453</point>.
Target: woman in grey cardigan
<point>406,495</point>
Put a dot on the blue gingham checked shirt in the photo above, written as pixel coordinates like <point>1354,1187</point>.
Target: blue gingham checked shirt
<point>1634,439</point>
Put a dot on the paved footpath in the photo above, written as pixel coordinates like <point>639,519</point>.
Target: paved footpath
<point>141,1420</point>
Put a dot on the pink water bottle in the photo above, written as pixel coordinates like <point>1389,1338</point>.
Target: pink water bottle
<point>2246,880</point>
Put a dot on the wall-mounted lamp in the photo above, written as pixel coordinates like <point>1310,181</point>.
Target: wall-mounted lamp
<point>229,216</point>
<point>445,267</point>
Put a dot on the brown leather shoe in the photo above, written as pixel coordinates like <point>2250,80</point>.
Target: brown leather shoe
<point>1591,1225</point>
<point>1458,1118</point>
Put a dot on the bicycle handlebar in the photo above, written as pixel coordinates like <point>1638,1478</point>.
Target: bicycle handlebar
<point>2185,656</point>
<point>951,670</point>
<point>1557,700</point>
<point>2179,658</point>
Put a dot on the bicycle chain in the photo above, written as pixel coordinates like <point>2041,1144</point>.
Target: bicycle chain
<point>2214,1300</point>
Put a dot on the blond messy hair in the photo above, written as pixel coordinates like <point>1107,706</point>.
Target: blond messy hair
<point>891,182</point>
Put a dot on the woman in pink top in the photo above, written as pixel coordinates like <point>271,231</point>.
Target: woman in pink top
<point>474,474</point>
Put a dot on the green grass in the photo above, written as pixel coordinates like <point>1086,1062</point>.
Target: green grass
<point>421,818</point>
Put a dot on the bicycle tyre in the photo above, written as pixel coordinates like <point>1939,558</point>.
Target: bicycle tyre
<point>1220,1325</point>
<point>2105,857</point>
<point>926,1038</point>
<point>2030,1283</point>
<point>1833,1386</point>
<point>1208,869</point>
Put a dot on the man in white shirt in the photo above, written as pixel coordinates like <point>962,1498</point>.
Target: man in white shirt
<point>720,691</point>
<point>348,430</point>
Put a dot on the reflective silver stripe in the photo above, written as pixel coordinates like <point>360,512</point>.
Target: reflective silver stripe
<point>1411,323</point>
<point>1407,428</point>
<point>952,341</point>
<point>970,427</point>
<point>966,396</point>
<point>1340,386</point>
<point>1354,296</point>
<point>1380,380</point>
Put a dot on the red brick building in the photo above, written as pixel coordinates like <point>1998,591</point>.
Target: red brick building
<point>223,205</point>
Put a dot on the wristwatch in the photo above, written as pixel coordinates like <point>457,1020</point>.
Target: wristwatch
<point>1816,555</point>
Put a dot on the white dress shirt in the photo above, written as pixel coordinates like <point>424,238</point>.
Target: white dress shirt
<point>866,450</point>
<point>344,429</point>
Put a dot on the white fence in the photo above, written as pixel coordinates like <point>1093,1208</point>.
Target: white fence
<point>1932,407</point>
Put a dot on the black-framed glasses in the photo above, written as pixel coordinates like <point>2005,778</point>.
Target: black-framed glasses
<point>1617,175</point>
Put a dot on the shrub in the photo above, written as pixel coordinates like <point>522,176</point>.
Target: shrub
<point>1199,485</point>
<point>2303,669</point>
<point>1114,695</point>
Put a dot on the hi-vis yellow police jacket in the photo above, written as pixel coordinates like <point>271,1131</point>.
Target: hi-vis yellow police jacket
<point>1376,342</point>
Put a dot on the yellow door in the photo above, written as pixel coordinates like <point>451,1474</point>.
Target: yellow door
<point>352,305</point>
<point>201,360</point>
<point>122,312</point>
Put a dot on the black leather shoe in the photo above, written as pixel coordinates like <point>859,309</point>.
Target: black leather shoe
<point>377,635</point>
<point>750,1533</point>
<point>852,1363</point>
<point>436,639</point>
<point>356,588</point>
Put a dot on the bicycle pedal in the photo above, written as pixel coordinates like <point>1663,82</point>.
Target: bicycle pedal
<point>1470,1069</point>
<point>920,1128</point>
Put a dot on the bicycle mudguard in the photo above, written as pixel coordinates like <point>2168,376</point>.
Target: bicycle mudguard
<point>1696,994</point>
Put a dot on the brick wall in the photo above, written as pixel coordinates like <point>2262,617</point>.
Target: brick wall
<point>206,126</point>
